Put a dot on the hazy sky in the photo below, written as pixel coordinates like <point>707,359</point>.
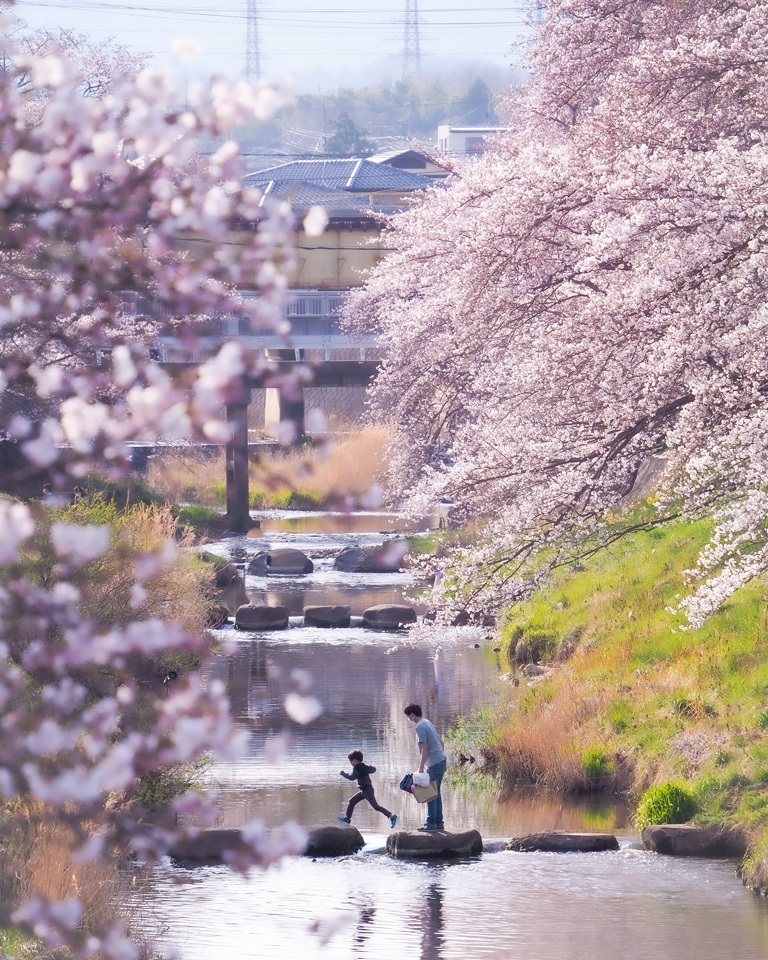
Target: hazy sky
<point>296,37</point>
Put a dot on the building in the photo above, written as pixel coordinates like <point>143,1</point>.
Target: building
<point>356,194</point>
<point>462,141</point>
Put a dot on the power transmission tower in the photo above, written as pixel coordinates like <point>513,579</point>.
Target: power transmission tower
<point>411,46</point>
<point>252,56</point>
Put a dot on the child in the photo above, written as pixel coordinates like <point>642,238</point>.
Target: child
<point>362,773</point>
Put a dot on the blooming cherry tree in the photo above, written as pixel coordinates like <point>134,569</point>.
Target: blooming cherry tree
<point>590,293</point>
<point>106,213</point>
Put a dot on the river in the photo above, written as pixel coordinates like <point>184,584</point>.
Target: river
<point>629,904</point>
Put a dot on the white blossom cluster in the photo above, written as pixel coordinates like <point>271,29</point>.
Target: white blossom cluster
<point>105,203</point>
<point>590,293</point>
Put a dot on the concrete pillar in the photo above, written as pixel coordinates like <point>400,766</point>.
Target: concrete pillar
<point>238,502</point>
<point>284,403</point>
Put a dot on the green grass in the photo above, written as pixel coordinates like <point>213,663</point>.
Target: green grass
<point>633,683</point>
<point>665,803</point>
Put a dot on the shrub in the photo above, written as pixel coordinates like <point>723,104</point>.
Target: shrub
<point>665,803</point>
<point>158,788</point>
<point>596,763</point>
<point>762,718</point>
<point>532,646</point>
<point>620,716</point>
<point>258,499</point>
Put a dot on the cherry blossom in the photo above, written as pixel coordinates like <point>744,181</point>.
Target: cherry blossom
<point>112,231</point>
<point>589,295</point>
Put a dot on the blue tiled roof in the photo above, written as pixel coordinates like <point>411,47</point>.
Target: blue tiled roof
<point>348,176</point>
<point>338,203</point>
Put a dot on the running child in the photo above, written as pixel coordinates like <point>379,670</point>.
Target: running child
<point>362,773</point>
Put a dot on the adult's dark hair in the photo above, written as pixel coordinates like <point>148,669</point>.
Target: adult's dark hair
<point>356,755</point>
<point>413,708</point>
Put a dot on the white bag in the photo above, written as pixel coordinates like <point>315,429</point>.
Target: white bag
<point>421,779</point>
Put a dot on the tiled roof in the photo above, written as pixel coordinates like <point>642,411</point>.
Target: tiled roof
<point>338,203</point>
<point>349,176</point>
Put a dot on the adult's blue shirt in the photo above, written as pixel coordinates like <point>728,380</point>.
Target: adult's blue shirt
<point>426,733</point>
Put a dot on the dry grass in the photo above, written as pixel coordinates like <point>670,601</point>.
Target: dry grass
<point>180,591</point>
<point>349,466</point>
<point>545,746</point>
<point>183,477</point>
<point>36,859</point>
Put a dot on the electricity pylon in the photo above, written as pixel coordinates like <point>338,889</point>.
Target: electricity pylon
<point>411,46</point>
<point>252,55</point>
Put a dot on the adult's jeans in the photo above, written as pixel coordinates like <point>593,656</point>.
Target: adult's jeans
<point>435,807</point>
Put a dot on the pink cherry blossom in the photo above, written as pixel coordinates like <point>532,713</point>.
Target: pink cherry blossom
<point>586,300</point>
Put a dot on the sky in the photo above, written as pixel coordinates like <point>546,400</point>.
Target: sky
<point>319,44</point>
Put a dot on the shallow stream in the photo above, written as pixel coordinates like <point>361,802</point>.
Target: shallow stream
<point>632,904</point>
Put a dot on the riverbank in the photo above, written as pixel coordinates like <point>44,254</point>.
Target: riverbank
<point>629,697</point>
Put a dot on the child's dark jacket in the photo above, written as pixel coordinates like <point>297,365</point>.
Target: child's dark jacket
<point>362,773</point>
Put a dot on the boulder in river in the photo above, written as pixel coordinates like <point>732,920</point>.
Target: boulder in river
<point>330,616</point>
<point>433,844</point>
<point>333,841</point>
<point>559,841</point>
<point>282,562</point>
<point>207,847</point>
<point>382,558</point>
<point>388,616</point>
<point>224,571</point>
<point>217,616</point>
<point>252,616</point>
<point>688,840</point>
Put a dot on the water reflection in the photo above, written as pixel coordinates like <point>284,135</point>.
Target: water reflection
<point>297,523</point>
<point>433,923</point>
<point>363,679</point>
<point>630,905</point>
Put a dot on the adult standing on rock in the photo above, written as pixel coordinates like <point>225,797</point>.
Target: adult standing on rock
<point>433,760</point>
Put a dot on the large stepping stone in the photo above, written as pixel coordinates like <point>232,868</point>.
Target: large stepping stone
<point>208,847</point>
<point>383,558</point>
<point>251,616</point>
<point>333,841</point>
<point>558,841</point>
<point>428,844</point>
<point>388,616</point>
<point>330,616</point>
<point>688,840</point>
<point>282,562</point>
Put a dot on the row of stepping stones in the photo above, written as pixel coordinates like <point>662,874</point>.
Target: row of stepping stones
<point>286,561</point>
<point>684,840</point>
<point>384,616</point>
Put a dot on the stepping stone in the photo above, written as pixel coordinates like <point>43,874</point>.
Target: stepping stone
<point>330,616</point>
<point>383,558</point>
<point>688,840</point>
<point>282,562</point>
<point>558,841</point>
<point>388,616</point>
<point>429,844</point>
<point>333,841</point>
<point>261,617</point>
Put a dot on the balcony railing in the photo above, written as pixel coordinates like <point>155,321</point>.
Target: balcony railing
<point>314,317</point>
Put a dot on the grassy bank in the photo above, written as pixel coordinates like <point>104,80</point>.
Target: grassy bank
<point>630,698</point>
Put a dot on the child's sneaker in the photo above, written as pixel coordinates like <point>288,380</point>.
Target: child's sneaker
<point>393,821</point>
<point>344,819</point>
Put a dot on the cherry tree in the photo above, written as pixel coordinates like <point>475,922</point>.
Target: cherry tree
<point>588,294</point>
<point>104,205</point>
